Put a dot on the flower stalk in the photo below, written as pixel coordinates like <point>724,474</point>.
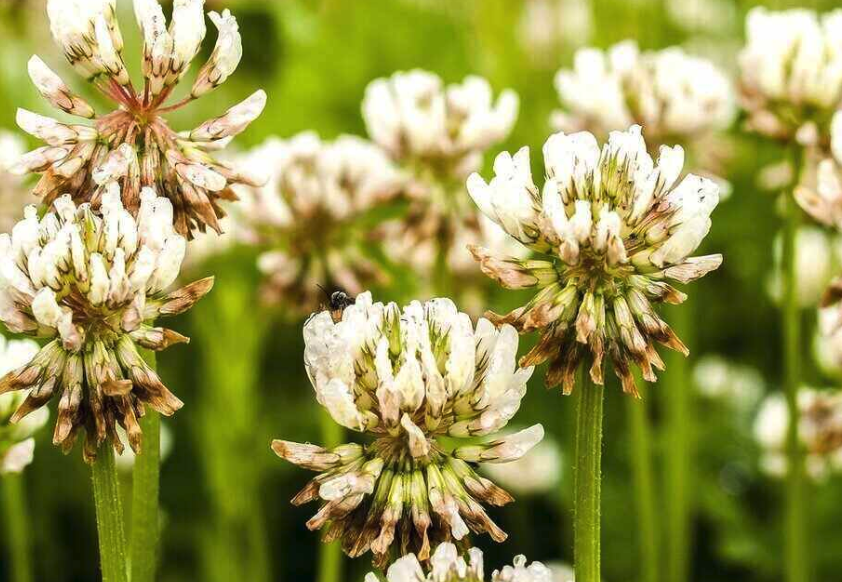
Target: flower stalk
<point>109,516</point>
<point>145,532</point>
<point>588,480</point>
<point>796,533</point>
<point>330,555</point>
<point>17,529</point>
<point>644,486</point>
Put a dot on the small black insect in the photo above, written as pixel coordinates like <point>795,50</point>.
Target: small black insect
<point>337,302</point>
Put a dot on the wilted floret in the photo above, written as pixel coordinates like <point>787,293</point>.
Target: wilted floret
<point>92,286</point>
<point>447,565</point>
<point>408,378</point>
<point>791,72</point>
<point>133,144</point>
<point>312,215</point>
<point>17,445</point>
<point>614,228</point>
<point>441,130</point>
<point>675,96</point>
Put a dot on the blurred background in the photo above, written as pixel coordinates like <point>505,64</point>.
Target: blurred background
<point>225,496</point>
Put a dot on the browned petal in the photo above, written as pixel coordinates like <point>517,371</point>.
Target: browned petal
<point>308,494</point>
<point>833,293</point>
<point>184,298</point>
<point>507,272</point>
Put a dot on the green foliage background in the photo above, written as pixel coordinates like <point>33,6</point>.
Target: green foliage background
<point>226,497</point>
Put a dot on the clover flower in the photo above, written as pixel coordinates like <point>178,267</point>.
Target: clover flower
<point>447,565</point>
<point>92,286</point>
<point>315,213</point>
<point>817,256</point>
<point>437,129</point>
<point>419,381</point>
<point>615,229</point>
<point>16,443</point>
<point>675,96</point>
<point>819,432</point>
<point>719,378</point>
<point>134,144</point>
<point>13,194</point>
<point>791,72</point>
<point>821,195</point>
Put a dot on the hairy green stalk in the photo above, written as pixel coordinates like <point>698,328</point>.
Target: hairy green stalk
<point>145,532</point>
<point>796,510</point>
<point>678,398</point>
<point>17,528</point>
<point>330,555</point>
<point>109,516</point>
<point>644,487</point>
<point>587,488</point>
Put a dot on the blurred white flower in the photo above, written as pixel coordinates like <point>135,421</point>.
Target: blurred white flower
<point>817,257</point>
<point>609,229</point>
<point>547,25</point>
<point>410,377</point>
<point>562,572</point>
<point>441,130</point>
<point>674,96</point>
<point>93,285</point>
<point>820,432</point>
<point>446,565</point>
<point>16,443</point>
<point>709,16</point>
<point>821,195</point>
<point>133,144</point>
<point>719,378</point>
<point>316,215</point>
<point>535,473</point>
<point>791,72</point>
<point>13,193</point>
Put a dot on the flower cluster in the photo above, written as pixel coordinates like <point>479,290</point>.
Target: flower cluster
<point>93,284</point>
<point>819,431</point>
<point>134,144</point>
<point>673,95</point>
<point>615,228</point>
<point>791,72</point>
<point>320,187</point>
<point>415,380</point>
<point>13,194</point>
<point>16,443</point>
<point>447,565</point>
<point>443,130</point>
<point>821,197</point>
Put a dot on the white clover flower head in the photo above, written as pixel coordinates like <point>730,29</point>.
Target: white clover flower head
<point>791,72</point>
<point>738,384</point>
<point>446,565</point>
<point>816,256</point>
<point>319,186</point>
<point>133,144</point>
<point>93,285</point>
<point>819,431</point>
<point>675,96</point>
<point>821,197</point>
<point>16,443</point>
<point>446,130</point>
<point>408,378</point>
<point>546,25</point>
<point>614,228</point>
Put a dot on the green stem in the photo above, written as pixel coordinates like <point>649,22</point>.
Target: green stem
<point>330,555</point>
<point>644,486</point>
<point>14,499</point>
<point>145,532</point>
<point>109,516</point>
<point>796,531</point>
<point>677,403</point>
<point>586,526</point>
